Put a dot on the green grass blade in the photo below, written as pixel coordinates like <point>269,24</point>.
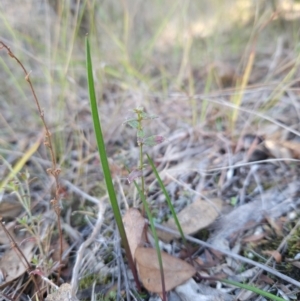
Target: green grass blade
<point>150,217</point>
<point>253,289</point>
<point>104,161</point>
<point>163,188</point>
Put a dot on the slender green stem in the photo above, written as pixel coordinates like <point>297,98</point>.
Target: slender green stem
<point>150,217</point>
<point>104,162</point>
<point>142,177</point>
<point>252,289</point>
<point>171,207</point>
<point>141,190</point>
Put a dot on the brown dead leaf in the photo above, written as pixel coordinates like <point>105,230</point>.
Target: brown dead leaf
<point>10,208</point>
<point>56,253</point>
<point>4,239</point>
<point>254,237</point>
<point>199,261</point>
<point>176,271</point>
<point>278,149</point>
<point>276,224</point>
<point>275,254</point>
<point>224,74</point>
<point>208,258</point>
<point>296,264</point>
<point>293,146</point>
<point>134,224</point>
<point>11,264</point>
<point>266,279</point>
<point>194,217</point>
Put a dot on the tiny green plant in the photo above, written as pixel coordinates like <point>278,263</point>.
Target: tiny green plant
<point>163,188</point>
<point>104,162</point>
<point>142,140</point>
<point>151,220</point>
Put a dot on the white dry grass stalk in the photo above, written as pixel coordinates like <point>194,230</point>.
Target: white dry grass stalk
<point>250,112</point>
<point>78,191</point>
<point>84,246</point>
<point>122,193</point>
<point>243,164</point>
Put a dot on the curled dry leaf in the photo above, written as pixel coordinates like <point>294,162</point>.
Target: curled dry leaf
<point>134,224</point>
<point>176,271</point>
<point>11,264</point>
<point>254,237</point>
<point>194,217</point>
<point>275,254</point>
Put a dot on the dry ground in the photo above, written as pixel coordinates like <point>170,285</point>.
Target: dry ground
<point>223,77</point>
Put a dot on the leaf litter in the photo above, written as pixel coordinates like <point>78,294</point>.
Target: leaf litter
<point>12,266</point>
<point>201,158</point>
<point>194,217</point>
<point>203,161</point>
<point>134,224</point>
<point>204,157</point>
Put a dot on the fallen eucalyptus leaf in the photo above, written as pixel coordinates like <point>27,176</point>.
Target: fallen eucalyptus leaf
<point>176,271</point>
<point>134,224</point>
<point>194,217</point>
<point>12,264</point>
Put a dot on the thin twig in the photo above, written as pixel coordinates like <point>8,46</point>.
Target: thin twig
<point>80,192</point>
